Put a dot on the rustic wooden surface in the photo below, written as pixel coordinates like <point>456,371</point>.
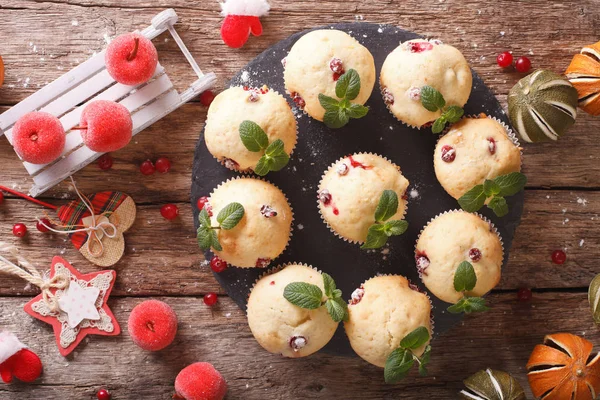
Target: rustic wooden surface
<point>43,39</point>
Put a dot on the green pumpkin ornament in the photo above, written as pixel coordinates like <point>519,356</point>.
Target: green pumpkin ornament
<point>492,385</point>
<point>594,298</point>
<point>542,106</point>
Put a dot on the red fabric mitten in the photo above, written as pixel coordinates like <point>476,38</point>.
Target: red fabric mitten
<point>17,361</point>
<point>241,20</point>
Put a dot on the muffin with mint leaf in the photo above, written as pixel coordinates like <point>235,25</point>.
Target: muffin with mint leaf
<point>250,129</point>
<point>425,82</point>
<point>479,155</point>
<point>330,76</point>
<point>295,310</point>
<point>246,222</point>
<point>362,199</point>
<point>389,325</point>
<point>459,258</point>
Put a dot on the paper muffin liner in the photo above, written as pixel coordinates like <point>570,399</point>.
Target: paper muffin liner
<point>286,198</point>
<point>332,166</point>
<point>489,222</point>
<point>250,171</point>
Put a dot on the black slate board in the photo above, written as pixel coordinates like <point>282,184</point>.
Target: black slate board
<point>379,132</point>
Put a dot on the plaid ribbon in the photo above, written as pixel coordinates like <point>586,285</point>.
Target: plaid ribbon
<point>72,214</point>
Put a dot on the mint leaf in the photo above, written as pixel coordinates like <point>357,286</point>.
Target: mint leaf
<point>253,137</point>
<point>328,103</point>
<point>465,278</point>
<point>204,218</point>
<point>387,207</point>
<point>275,148</point>
<point>415,339</point>
<point>337,309</point>
<point>511,184</point>
<point>277,155</point>
<point>453,114</point>
<point>263,166</point>
<point>395,227</point>
<point>357,111</point>
<point>438,125</point>
<point>204,238</point>
<point>335,118</point>
<point>490,188</point>
<point>376,237</point>
<point>214,237</point>
<point>328,284</point>
<point>424,360</point>
<point>230,216</point>
<point>459,307</point>
<point>473,200</point>
<point>336,294</point>
<point>303,295</point>
<point>397,365</point>
<point>348,85</point>
<point>432,99</point>
<point>499,206</point>
<point>469,305</point>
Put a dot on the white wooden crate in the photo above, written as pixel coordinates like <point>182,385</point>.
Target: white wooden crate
<point>67,96</point>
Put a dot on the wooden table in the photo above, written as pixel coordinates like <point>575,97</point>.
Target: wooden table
<point>40,40</point>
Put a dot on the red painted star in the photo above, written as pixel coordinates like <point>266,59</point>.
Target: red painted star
<point>108,326</point>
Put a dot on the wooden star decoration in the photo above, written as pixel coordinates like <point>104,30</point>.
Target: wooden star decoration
<point>68,337</point>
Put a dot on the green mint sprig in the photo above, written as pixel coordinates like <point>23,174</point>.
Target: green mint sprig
<point>339,112</point>
<point>497,189</point>
<point>465,280</point>
<point>401,360</point>
<point>227,218</point>
<point>309,296</point>
<point>255,139</point>
<point>434,101</point>
<point>381,230</point>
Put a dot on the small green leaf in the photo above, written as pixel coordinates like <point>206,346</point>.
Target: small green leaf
<point>214,238</point>
<point>387,207</point>
<point>230,215</point>
<point>263,166</point>
<point>275,148</point>
<point>253,137</point>
<point>328,284</point>
<point>328,103</point>
<point>335,119</point>
<point>337,309</point>
<point>469,305</point>
<point>303,295</point>
<point>376,237</point>
<point>397,365</point>
<point>432,99</point>
<point>499,206</point>
<point>473,200</point>
<point>453,114</point>
<point>415,339</point>
<point>465,278</point>
<point>337,294</point>
<point>511,184</point>
<point>204,218</point>
<point>490,188</point>
<point>348,85</point>
<point>395,227</point>
<point>426,355</point>
<point>204,238</point>
<point>423,370</point>
<point>438,125</point>
<point>357,111</point>
<point>278,161</point>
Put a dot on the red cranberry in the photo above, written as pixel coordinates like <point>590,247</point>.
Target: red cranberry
<point>337,67</point>
<point>163,165</point>
<point>523,64</point>
<point>284,61</point>
<point>105,162</point>
<point>210,299</point>
<point>254,96</point>
<point>19,230</point>
<point>169,211</point>
<point>218,265</point>
<point>272,283</point>
<point>475,254</point>
<point>231,164</point>
<point>246,88</point>
<point>298,100</point>
<point>357,164</point>
<point>103,394</point>
<point>559,257</point>
<point>414,93</point>
<point>40,225</point>
<point>448,153</point>
<point>264,89</point>
<point>524,294</point>
<point>388,97</point>
<point>422,263</point>
<point>505,59</point>
<point>419,47</point>
<point>342,169</point>
<point>1,197</point>
<point>204,204</point>
<point>268,211</point>
<point>298,342</point>
<point>357,295</point>
<point>492,145</point>
<point>414,287</point>
<point>263,262</point>
<point>324,196</point>
<point>207,97</point>
<point>147,168</point>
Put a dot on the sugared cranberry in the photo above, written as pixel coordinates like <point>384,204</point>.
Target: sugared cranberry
<point>298,342</point>
<point>559,257</point>
<point>263,262</point>
<point>272,283</point>
<point>422,263</point>
<point>388,97</point>
<point>324,196</point>
<point>42,225</point>
<point>284,61</point>
<point>342,169</point>
<point>448,153</point>
<point>357,295</point>
<point>1,197</point>
<point>475,254</point>
<point>218,265</point>
<point>337,67</point>
<point>523,64</point>
<point>414,287</point>
<point>504,60</point>
<point>492,145</point>
<point>414,93</point>
<point>298,100</point>
<point>210,299</point>
<point>103,394</point>
<point>169,211</point>
<point>163,165</point>
<point>268,211</point>
<point>19,230</point>
<point>231,164</point>
<point>253,96</point>
<point>436,42</point>
<point>105,162</point>
<point>264,89</point>
<point>358,164</point>
<point>246,88</point>
<point>147,168</point>
<point>419,47</point>
<point>206,98</point>
<point>524,294</point>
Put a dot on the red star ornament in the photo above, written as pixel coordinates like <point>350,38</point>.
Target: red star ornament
<point>67,338</point>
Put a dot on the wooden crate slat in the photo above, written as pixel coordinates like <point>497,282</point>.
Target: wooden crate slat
<point>147,93</point>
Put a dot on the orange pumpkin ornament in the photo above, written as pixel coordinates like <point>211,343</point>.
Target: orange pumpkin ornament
<point>562,369</point>
<point>584,75</point>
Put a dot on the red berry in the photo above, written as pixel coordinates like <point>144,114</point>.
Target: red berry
<point>1,197</point>
<point>505,59</point>
<point>559,257</point>
<point>218,265</point>
<point>103,394</point>
<point>169,211</point>
<point>147,168</point>
<point>523,64</point>
<point>448,153</point>
<point>388,97</point>
<point>298,100</point>
<point>475,254</point>
<point>422,263</point>
<point>210,299</point>
<point>19,230</point>
<point>524,294</point>
<point>491,145</point>
<point>105,162</point>
<point>163,165</point>
<point>324,196</point>
<point>202,201</point>
<point>297,343</point>
<point>419,47</point>
<point>40,225</point>
<point>207,97</point>
<point>263,262</point>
